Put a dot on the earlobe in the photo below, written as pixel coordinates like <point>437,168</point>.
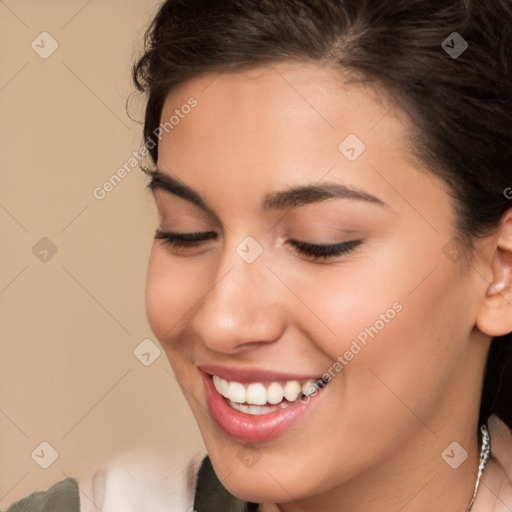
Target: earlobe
<point>495,315</point>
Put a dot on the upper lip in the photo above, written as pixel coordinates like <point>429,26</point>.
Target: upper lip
<point>250,374</point>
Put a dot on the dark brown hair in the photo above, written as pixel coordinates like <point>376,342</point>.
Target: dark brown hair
<point>460,106</point>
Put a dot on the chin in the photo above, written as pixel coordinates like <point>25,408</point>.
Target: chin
<point>249,488</point>
<point>267,481</point>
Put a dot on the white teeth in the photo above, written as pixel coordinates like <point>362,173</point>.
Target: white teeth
<point>236,392</point>
<point>256,394</point>
<point>256,410</point>
<point>308,387</point>
<point>291,390</point>
<point>221,385</point>
<point>253,398</point>
<point>275,393</point>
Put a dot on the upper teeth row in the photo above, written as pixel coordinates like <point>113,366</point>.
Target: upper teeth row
<point>257,394</point>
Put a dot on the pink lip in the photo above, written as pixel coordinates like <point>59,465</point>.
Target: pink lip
<point>247,375</point>
<point>249,427</point>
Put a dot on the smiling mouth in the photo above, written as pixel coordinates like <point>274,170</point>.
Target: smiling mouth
<point>259,398</point>
<point>264,405</point>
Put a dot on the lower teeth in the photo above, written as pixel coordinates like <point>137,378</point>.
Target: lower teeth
<point>260,409</point>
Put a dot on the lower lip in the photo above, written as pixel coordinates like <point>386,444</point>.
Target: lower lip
<point>250,427</point>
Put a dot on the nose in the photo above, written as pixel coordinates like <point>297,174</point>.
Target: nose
<point>241,308</point>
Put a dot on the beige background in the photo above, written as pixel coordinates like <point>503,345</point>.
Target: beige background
<point>70,324</point>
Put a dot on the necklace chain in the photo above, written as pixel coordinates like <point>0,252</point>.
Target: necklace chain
<point>484,457</point>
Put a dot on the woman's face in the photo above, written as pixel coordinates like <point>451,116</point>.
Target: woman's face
<point>389,323</point>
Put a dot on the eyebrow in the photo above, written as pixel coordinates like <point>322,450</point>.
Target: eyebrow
<point>291,198</point>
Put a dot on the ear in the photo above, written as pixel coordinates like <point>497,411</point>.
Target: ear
<point>495,315</point>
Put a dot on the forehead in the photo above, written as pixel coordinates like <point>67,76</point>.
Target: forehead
<point>279,111</point>
<point>265,129</point>
<point>283,93</point>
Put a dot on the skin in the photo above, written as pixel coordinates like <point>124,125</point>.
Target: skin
<point>374,438</point>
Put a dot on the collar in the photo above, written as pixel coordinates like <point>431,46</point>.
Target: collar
<point>212,496</point>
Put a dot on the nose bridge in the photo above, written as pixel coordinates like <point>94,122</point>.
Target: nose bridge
<point>239,308</point>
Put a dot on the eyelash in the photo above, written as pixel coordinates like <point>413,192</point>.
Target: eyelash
<point>316,252</point>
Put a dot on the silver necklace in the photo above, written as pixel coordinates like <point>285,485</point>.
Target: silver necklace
<point>484,457</point>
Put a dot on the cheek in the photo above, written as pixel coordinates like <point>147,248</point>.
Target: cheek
<point>352,302</point>
<point>363,293</point>
<point>404,318</point>
<point>172,291</point>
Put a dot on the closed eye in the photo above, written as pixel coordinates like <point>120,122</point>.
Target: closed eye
<point>313,251</point>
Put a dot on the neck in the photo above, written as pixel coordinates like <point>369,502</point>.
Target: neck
<point>414,479</point>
